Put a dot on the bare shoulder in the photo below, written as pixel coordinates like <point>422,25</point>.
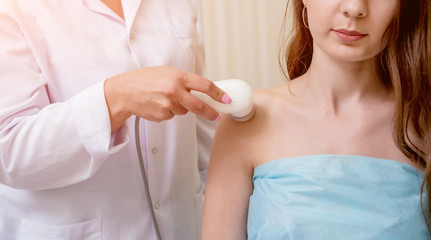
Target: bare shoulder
<point>265,101</point>
<point>266,98</point>
<point>276,104</point>
<point>245,140</point>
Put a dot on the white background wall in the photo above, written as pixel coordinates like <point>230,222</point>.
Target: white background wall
<point>242,40</point>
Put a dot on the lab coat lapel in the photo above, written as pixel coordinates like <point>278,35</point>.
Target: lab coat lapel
<point>99,7</point>
<point>130,8</point>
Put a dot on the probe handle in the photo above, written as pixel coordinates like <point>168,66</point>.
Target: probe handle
<point>241,108</point>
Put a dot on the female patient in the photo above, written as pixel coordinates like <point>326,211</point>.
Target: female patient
<point>341,151</point>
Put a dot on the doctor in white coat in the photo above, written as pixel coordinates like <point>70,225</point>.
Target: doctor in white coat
<point>68,162</point>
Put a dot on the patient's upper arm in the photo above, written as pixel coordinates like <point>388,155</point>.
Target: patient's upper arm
<point>229,184</point>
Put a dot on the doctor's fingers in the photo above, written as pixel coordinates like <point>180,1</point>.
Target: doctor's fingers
<point>198,107</point>
<point>179,110</point>
<point>159,110</point>
<point>201,84</point>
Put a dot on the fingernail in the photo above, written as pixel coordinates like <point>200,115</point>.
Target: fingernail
<point>225,98</point>
<point>218,118</point>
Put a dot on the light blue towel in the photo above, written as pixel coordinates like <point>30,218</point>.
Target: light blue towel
<point>331,197</point>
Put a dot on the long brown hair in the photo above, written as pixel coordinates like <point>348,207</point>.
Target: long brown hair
<point>404,66</point>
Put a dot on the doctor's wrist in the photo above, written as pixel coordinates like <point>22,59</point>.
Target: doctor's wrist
<point>116,103</point>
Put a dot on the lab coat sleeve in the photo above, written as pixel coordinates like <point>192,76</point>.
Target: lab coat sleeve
<point>43,144</point>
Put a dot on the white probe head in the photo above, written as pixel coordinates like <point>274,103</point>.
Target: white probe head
<point>241,108</point>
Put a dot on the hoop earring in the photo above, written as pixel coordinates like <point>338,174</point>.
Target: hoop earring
<point>303,17</point>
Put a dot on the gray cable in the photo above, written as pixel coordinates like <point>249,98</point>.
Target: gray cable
<point>144,178</point>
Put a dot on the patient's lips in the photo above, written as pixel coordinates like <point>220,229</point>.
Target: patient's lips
<point>349,36</point>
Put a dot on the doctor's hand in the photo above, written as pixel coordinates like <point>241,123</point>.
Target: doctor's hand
<point>157,94</point>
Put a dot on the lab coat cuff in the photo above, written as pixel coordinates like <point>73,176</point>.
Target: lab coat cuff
<point>92,120</point>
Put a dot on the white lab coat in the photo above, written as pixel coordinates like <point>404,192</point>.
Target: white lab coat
<point>62,174</point>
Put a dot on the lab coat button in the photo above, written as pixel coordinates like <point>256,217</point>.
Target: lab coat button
<point>157,206</point>
<point>131,36</point>
<point>154,150</point>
